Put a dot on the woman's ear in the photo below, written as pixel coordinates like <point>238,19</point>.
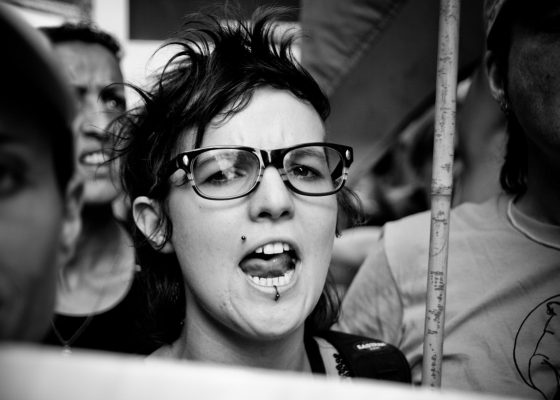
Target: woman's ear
<point>148,217</point>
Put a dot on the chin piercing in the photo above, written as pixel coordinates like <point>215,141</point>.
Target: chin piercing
<point>277,295</point>
<point>243,238</point>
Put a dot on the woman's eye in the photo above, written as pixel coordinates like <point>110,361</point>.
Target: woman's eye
<point>221,176</point>
<point>115,105</point>
<point>302,171</point>
<point>224,176</point>
<point>10,180</point>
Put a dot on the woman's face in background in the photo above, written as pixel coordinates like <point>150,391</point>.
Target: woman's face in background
<point>95,75</point>
<point>31,222</point>
<point>229,289</point>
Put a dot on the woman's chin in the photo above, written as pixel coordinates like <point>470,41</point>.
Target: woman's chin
<point>273,327</point>
<point>272,333</point>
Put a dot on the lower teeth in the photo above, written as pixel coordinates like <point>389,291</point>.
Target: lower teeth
<point>276,281</point>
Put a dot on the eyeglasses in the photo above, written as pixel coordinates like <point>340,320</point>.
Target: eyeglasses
<point>230,172</point>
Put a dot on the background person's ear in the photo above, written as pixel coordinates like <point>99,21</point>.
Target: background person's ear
<point>72,221</point>
<point>148,217</point>
<point>496,80</point>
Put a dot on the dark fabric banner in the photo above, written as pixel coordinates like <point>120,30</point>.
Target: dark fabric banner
<point>377,59</point>
<point>158,19</point>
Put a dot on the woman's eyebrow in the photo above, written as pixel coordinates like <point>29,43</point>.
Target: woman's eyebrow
<point>12,141</point>
<point>5,137</point>
<point>9,138</point>
<point>113,92</point>
<point>15,145</point>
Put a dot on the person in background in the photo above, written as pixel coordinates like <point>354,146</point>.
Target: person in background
<point>396,185</point>
<point>39,199</point>
<point>401,179</point>
<point>101,299</point>
<point>503,282</point>
<point>481,133</point>
<point>226,164</point>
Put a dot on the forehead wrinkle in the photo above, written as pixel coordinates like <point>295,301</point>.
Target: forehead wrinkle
<point>271,119</point>
<point>88,65</point>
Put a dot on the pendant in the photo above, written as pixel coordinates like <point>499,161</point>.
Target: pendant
<point>66,350</point>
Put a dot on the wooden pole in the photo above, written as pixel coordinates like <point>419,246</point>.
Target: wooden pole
<point>442,186</point>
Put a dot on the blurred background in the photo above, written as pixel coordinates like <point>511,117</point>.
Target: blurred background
<point>141,26</point>
<point>376,60</point>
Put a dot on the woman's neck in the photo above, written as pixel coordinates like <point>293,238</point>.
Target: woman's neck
<point>101,241</point>
<point>199,343</point>
<point>101,269</point>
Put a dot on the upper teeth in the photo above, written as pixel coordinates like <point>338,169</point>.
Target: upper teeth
<point>95,158</point>
<point>273,248</point>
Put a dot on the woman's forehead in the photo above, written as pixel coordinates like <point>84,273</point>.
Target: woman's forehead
<point>186,141</point>
<point>271,119</point>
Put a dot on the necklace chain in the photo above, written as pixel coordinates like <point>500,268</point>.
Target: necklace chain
<point>67,343</point>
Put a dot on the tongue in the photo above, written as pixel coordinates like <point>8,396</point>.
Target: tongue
<point>274,266</point>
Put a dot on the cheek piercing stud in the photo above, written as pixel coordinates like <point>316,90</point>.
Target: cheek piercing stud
<point>277,295</point>
<point>243,238</point>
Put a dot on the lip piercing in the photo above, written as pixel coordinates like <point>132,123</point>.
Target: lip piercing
<point>243,238</point>
<point>277,295</point>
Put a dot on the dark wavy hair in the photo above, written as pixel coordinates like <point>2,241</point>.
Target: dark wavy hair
<point>513,175</point>
<point>214,72</point>
<point>85,32</point>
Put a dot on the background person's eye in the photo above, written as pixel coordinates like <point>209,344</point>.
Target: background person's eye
<point>115,105</point>
<point>113,99</point>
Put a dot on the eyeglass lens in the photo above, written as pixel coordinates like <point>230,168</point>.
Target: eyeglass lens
<point>224,173</point>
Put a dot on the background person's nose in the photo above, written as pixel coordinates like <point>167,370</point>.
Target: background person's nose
<point>94,120</point>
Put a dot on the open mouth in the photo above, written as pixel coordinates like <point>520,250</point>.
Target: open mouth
<point>270,265</point>
<point>94,158</point>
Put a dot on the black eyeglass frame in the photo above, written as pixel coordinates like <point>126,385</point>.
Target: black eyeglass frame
<point>273,157</point>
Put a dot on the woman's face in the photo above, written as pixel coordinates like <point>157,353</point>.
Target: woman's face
<point>219,266</point>
<point>31,223</point>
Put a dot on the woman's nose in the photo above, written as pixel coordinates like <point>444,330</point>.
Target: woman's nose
<point>272,199</point>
